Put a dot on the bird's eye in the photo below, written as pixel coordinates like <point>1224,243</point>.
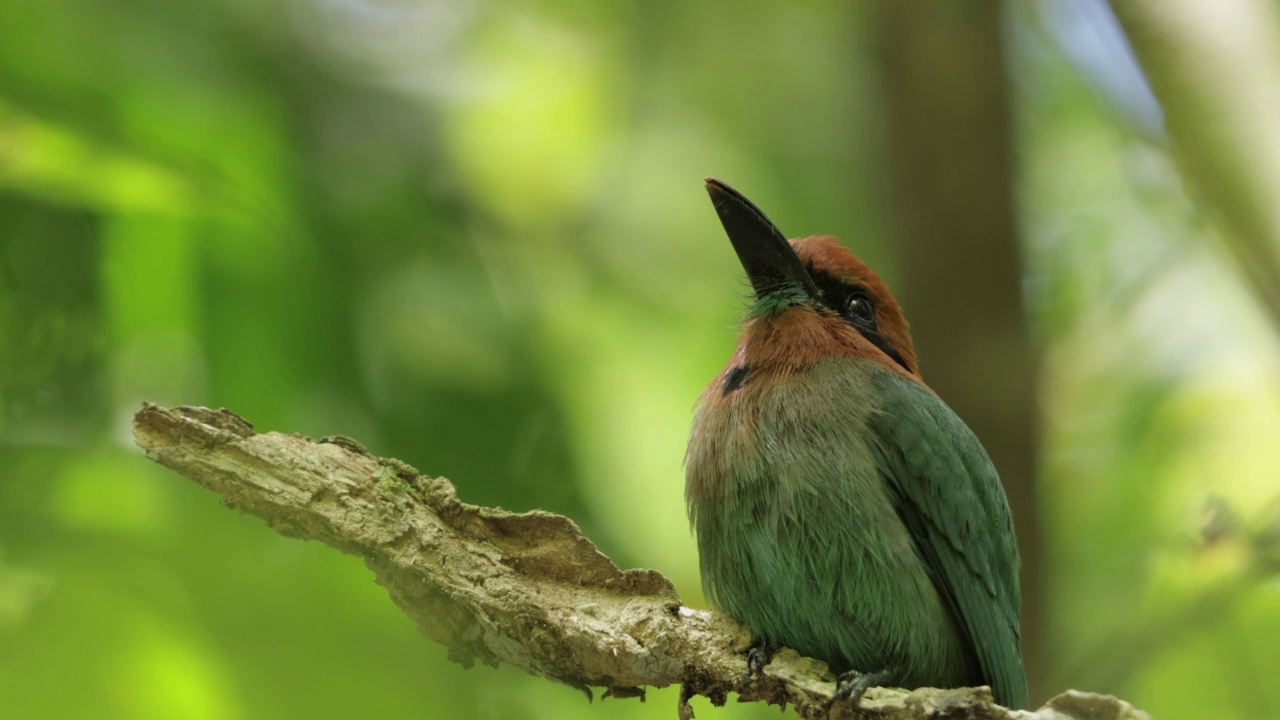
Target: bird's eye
<point>860,309</point>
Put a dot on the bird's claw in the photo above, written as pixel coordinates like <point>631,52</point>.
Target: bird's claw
<point>759,656</point>
<point>853,685</point>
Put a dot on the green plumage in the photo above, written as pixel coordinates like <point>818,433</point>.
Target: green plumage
<point>845,511</point>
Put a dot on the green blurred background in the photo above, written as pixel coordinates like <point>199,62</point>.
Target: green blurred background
<point>473,236</point>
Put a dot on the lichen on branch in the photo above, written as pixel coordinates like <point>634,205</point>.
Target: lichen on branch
<point>527,589</point>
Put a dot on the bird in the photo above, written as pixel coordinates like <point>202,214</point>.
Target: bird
<point>840,507</point>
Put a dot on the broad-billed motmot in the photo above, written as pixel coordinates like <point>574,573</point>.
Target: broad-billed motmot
<point>840,507</point>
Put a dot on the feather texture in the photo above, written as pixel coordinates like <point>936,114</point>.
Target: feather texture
<point>840,507</point>
<point>843,510</point>
<point>949,497</point>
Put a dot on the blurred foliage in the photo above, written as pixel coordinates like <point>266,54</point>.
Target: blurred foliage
<point>473,236</point>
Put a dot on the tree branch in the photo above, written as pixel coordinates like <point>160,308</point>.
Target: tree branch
<point>526,589</point>
<point>1216,71</point>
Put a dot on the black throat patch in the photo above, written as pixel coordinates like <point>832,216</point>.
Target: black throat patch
<point>734,379</point>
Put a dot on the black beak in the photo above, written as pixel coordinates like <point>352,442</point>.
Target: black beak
<point>763,250</point>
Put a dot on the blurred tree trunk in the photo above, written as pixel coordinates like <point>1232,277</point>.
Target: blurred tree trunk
<point>1215,68</point>
<point>950,190</point>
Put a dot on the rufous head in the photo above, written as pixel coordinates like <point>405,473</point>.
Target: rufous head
<point>814,299</point>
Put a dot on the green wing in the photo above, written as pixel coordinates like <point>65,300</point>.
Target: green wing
<point>950,498</point>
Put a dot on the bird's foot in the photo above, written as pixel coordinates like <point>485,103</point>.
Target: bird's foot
<point>853,684</point>
<point>760,655</point>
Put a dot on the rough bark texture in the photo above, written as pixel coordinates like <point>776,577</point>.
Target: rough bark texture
<point>521,588</point>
